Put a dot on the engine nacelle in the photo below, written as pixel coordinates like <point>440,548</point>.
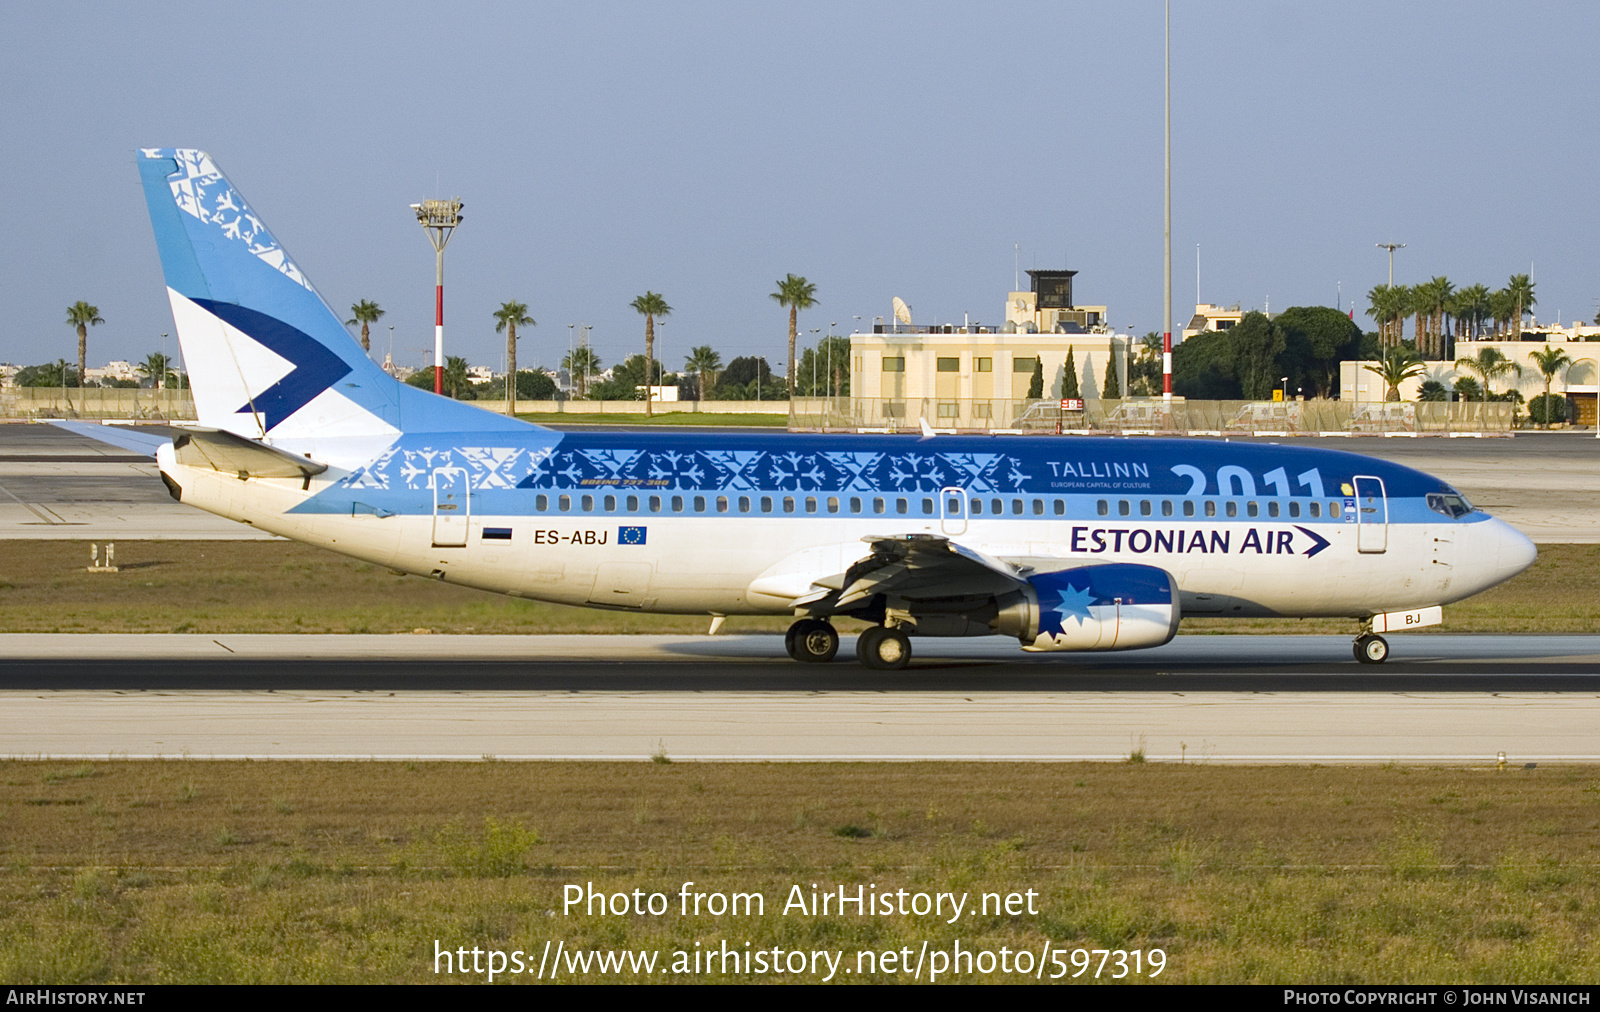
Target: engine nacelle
<point>1115,606</point>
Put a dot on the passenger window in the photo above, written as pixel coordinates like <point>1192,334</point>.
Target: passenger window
<point>744,504</point>
<point>1211,508</point>
<point>1294,510</point>
<point>1103,508</point>
<point>855,505</point>
<point>1251,508</point>
<point>1232,508</point>
<point>633,504</point>
<point>1333,509</point>
<point>1061,507</point>
<point>588,504</point>
<point>1166,507</point>
<point>766,504</point>
<point>977,507</point>
<point>833,505</point>
<point>611,504</point>
<point>700,504</point>
<point>1016,507</point>
<point>1316,510</point>
<point>1144,507</point>
<point>1123,509</point>
<point>788,504</point>
<point>1188,507</point>
<point>1272,509</point>
<point>677,504</point>
<point>811,504</point>
<point>722,504</point>
<point>927,507</point>
<point>1038,507</point>
<point>541,503</point>
<point>902,507</point>
<point>953,507</point>
<point>877,506</point>
<point>997,507</point>
<point>655,504</point>
<point>564,503</point>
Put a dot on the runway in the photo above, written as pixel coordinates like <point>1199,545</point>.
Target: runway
<point>1442,699</point>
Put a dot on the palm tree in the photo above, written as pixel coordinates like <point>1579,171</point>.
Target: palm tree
<point>581,363</point>
<point>1385,307</point>
<point>83,316</point>
<point>797,293</point>
<point>1488,364</point>
<point>364,313</point>
<point>1521,291</point>
<point>1472,305</point>
<point>455,375</point>
<point>1550,359</point>
<point>704,363</point>
<point>650,305</point>
<point>1502,304</point>
<point>1434,299</point>
<point>1398,365</point>
<point>158,367</point>
<point>512,315</point>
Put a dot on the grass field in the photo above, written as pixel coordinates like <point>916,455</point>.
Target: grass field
<point>187,871</point>
<point>270,587</point>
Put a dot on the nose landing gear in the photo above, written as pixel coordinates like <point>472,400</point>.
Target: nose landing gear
<point>1371,649</point>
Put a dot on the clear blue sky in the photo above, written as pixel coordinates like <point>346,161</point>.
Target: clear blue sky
<point>704,150</point>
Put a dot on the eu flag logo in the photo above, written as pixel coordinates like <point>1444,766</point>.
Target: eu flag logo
<point>630,535</point>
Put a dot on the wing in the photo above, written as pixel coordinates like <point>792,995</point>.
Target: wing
<point>911,567</point>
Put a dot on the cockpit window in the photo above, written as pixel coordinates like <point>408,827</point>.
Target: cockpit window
<point>1452,505</point>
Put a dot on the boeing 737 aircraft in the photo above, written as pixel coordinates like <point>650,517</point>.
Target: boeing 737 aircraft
<point>1064,544</point>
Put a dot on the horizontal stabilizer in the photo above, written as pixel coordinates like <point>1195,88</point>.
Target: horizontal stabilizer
<point>231,454</point>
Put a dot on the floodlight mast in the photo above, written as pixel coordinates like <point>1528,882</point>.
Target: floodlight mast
<point>439,219</point>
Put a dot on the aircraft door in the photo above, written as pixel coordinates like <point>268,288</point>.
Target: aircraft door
<point>953,510</point>
<point>452,507</point>
<point>1372,515</point>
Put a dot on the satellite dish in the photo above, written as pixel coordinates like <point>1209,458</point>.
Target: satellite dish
<point>902,312</point>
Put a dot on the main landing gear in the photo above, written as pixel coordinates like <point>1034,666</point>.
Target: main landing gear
<point>812,641</point>
<point>883,648</point>
<point>1371,648</point>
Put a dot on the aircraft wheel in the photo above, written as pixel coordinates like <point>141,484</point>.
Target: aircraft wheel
<point>1371,649</point>
<point>811,641</point>
<point>883,649</point>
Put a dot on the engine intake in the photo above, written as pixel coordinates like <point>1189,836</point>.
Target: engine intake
<point>1116,606</point>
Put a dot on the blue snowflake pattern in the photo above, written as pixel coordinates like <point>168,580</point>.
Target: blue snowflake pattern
<point>797,472</point>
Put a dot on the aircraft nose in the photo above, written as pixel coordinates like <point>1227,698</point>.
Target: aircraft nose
<point>1516,550</point>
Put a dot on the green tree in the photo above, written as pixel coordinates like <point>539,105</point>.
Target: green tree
<point>536,385</point>
<point>1069,376</point>
<point>796,293</point>
<point>1386,306</point>
<point>1432,390</point>
<point>1036,384</point>
<point>703,362</point>
<point>580,364</point>
<point>1521,291</point>
<point>1203,368</point>
<point>1144,371</point>
<point>1551,359</point>
<point>1472,308</point>
<point>748,378</point>
<point>158,368</point>
<point>1488,364</point>
<point>1111,389</point>
<point>1547,409</point>
<point>1398,365</point>
<point>456,379</point>
<point>52,374</point>
<point>364,313</point>
<point>650,305</point>
<point>1316,339</point>
<point>1256,345</point>
<point>508,318</point>
<point>824,370</point>
<point>83,316</point>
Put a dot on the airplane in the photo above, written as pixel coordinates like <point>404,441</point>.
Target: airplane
<point>1080,544</point>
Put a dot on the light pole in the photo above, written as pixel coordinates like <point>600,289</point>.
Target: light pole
<point>439,219</point>
<point>1166,261</point>
<point>1391,247</point>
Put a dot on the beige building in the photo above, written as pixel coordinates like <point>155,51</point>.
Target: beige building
<point>1209,318</point>
<point>978,376</point>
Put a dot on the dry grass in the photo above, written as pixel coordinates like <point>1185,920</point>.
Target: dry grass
<point>237,587</point>
<point>188,871</point>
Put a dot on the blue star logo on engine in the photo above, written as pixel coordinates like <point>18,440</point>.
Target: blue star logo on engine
<point>630,535</point>
<point>316,368</point>
<point>1056,606</point>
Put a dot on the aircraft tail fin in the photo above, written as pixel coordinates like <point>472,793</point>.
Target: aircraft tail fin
<point>267,358</point>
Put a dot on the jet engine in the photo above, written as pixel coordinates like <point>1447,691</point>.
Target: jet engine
<point>1116,606</point>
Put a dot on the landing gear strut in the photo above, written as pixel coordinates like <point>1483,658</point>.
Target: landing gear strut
<point>883,648</point>
<point>812,641</point>
<point>1371,649</point>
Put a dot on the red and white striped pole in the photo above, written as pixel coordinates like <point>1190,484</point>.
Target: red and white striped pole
<point>439,219</point>
<point>438,326</point>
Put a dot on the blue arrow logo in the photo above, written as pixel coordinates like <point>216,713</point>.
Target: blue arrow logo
<point>1321,542</point>
<point>316,367</point>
